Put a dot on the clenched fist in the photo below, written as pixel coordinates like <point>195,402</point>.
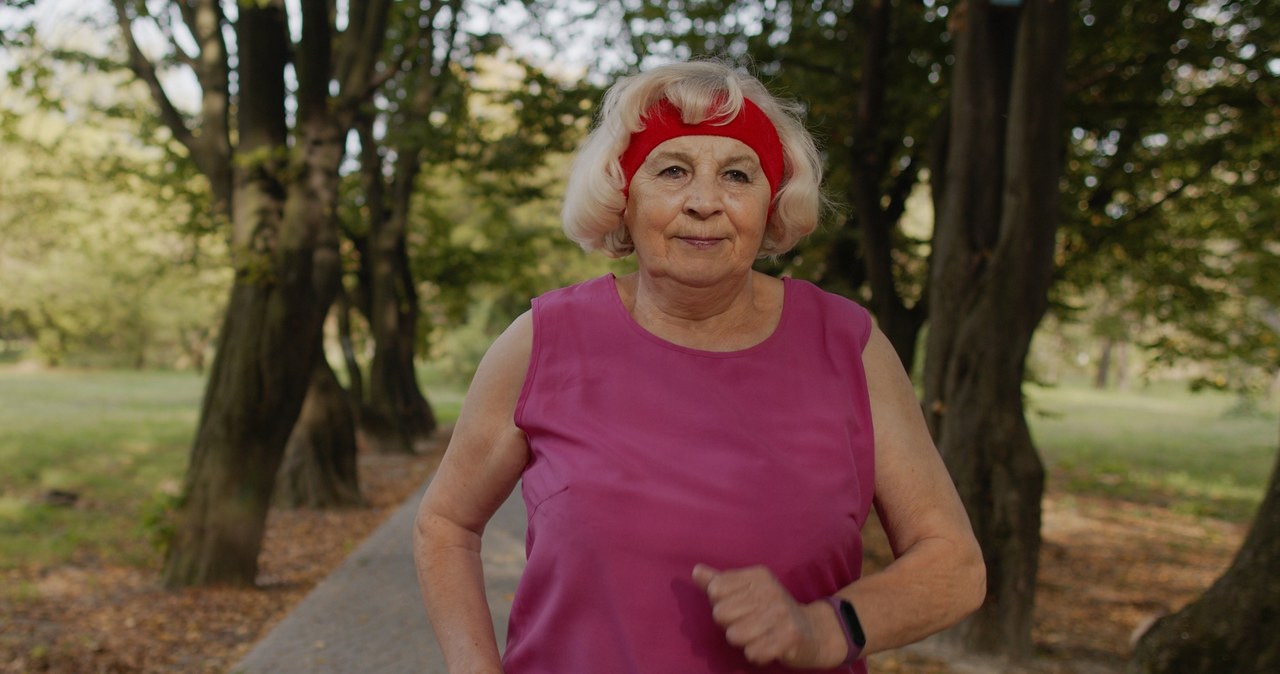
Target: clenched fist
<point>761,617</point>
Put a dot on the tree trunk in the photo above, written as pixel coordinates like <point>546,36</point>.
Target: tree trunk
<point>1232,627</point>
<point>1121,366</point>
<point>287,265</point>
<point>992,267</point>
<point>398,417</point>
<point>1103,374</point>
<point>255,390</point>
<point>320,469</point>
<point>393,383</point>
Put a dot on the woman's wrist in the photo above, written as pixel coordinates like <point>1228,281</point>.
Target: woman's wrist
<point>831,644</point>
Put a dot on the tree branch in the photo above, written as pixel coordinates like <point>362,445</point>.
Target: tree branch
<point>314,59</point>
<point>165,21</point>
<point>145,70</point>
<point>360,54</point>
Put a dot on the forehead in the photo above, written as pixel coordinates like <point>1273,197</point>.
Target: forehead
<point>717,148</point>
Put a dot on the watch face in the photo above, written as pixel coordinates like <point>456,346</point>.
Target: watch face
<point>855,626</point>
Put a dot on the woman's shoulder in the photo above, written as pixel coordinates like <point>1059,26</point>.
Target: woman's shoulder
<point>813,297</point>
<point>833,311</point>
<point>566,313</point>
<point>593,286</point>
<point>590,292</point>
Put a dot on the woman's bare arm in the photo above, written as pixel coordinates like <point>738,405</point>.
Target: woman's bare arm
<point>480,468</point>
<point>938,576</point>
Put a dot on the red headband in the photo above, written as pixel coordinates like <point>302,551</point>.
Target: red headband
<point>662,123</point>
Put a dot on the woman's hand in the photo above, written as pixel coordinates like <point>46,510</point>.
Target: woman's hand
<point>761,617</point>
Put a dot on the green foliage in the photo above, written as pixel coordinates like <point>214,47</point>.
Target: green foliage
<point>1171,195</point>
<point>483,228</point>
<point>97,250</point>
<point>482,251</point>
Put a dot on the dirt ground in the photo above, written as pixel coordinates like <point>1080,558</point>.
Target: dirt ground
<point>1106,568</point>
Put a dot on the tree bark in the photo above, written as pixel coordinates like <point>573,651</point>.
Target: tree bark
<point>395,416</point>
<point>318,437</point>
<point>997,215</point>
<point>320,468</point>
<point>1232,627</point>
<point>253,394</point>
<point>287,266</point>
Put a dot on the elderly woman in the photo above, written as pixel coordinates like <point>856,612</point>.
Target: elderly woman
<point>699,444</point>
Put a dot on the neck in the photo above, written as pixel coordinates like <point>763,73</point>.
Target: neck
<point>676,302</point>
<point>727,316</point>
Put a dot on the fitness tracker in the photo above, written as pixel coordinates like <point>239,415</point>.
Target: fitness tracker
<point>852,627</point>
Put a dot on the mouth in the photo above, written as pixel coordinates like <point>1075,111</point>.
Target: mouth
<point>700,242</point>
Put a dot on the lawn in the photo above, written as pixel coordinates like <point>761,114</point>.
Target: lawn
<point>115,441</point>
<point>1198,453</point>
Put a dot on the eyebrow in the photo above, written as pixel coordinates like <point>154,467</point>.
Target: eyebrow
<point>688,159</point>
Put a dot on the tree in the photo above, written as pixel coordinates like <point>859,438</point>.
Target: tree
<point>1232,626</point>
<point>879,197</point>
<point>997,205</point>
<point>278,184</point>
<point>396,416</point>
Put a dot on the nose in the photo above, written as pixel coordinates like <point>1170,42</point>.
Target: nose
<point>704,197</point>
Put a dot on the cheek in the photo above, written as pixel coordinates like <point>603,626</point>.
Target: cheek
<point>755,196</point>
<point>752,210</point>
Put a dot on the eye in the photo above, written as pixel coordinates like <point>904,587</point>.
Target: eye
<point>672,172</point>
<point>737,176</point>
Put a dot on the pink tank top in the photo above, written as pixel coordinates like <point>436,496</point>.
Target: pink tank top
<point>648,457</point>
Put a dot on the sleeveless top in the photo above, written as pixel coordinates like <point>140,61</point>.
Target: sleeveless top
<point>648,457</point>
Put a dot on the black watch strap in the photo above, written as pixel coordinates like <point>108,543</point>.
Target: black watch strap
<point>853,634</point>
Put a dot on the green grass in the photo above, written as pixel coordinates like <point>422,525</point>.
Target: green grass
<point>120,440</point>
<point>1196,453</point>
<point>116,439</point>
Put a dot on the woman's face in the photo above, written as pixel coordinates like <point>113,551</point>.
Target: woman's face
<point>696,210</point>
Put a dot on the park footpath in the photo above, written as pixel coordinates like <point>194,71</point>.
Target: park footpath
<point>367,616</point>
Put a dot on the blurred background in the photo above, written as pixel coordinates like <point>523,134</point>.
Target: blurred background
<point>252,252</point>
